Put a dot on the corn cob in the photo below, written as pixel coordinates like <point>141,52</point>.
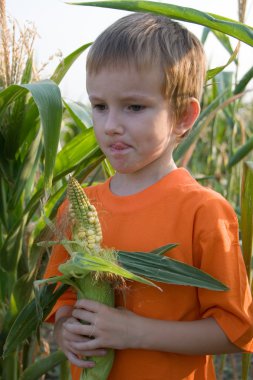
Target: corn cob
<point>86,226</point>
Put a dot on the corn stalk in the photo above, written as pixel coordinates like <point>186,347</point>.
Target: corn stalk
<point>247,237</point>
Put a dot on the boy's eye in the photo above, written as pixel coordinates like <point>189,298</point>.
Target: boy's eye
<point>136,107</point>
<point>99,107</point>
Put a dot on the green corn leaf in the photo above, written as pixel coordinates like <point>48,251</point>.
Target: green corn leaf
<point>247,215</point>
<point>108,169</point>
<point>241,153</point>
<point>225,83</point>
<point>233,28</point>
<point>16,116</point>
<point>49,210</point>
<point>82,147</point>
<point>247,237</point>
<point>80,264</point>
<point>13,246</point>
<point>28,168</point>
<point>27,73</point>
<point>246,363</point>
<point>79,114</point>
<point>66,280</point>
<point>48,100</point>
<point>204,35</point>
<point>42,366</point>
<point>142,267</point>
<point>12,125</point>
<point>46,95</point>
<point>81,173</point>
<point>27,320</point>
<point>224,40</point>
<point>163,269</point>
<point>28,130</point>
<point>23,289</point>
<point>12,106</point>
<point>3,205</point>
<point>213,72</point>
<point>240,87</point>
<point>161,250</point>
<point>4,288</point>
<point>66,63</point>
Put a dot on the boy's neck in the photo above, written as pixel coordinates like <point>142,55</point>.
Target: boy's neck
<point>132,183</point>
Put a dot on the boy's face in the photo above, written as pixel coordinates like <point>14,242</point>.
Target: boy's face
<point>132,119</point>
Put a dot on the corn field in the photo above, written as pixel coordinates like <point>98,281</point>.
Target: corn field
<point>44,138</point>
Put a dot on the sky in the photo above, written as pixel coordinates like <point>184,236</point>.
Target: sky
<point>62,28</point>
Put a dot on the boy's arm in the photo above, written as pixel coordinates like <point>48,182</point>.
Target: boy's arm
<point>201,337</point>
<point>122,329</point>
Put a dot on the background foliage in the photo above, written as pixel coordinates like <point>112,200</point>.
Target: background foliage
<point>43,138</point>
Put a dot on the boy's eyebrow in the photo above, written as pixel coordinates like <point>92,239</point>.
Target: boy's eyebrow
<point>136,96</point>
<point>125,97</point>
<point>94,98</point>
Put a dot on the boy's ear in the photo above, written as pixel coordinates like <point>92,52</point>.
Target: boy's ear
<point>189,117</point>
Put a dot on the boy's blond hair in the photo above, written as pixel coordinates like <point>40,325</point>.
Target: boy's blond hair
<point>144,40</point>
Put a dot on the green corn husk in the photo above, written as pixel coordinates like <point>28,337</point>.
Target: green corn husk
<point>95,271</point>
<point>100,291</point>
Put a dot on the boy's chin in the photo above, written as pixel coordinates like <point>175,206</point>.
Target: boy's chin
<point>120,170</point>
<point>127,171</point>
<point>132,168</point>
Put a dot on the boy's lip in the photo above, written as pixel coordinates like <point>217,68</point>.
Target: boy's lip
<point>119,149</point>
<point>118,146</point>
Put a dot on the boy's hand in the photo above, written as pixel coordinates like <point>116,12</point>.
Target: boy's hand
<point>109,327</point>
<point>68,342</point>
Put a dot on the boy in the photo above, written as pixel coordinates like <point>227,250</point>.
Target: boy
<point>145,75</point>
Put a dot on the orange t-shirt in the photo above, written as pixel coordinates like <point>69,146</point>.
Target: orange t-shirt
<point>176,209</point>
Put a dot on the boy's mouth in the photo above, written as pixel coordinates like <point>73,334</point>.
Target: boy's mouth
<point>119,146</point>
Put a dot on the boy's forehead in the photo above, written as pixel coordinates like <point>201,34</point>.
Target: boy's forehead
<point>128,75</point>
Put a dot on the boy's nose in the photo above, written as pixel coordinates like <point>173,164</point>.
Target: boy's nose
<point>113,124</point>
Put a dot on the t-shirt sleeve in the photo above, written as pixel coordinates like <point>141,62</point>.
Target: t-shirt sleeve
<point>58,256</point>
<point>218,252</point>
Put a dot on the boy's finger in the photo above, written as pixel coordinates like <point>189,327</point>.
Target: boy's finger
<point>97,352</point>
<point>79,362</point>
<point>84,315</point>
<point>75,338</point>
<point>94,353</point>
<point>89,346</point>
<point>80,329</point>
<point>89,305</point>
